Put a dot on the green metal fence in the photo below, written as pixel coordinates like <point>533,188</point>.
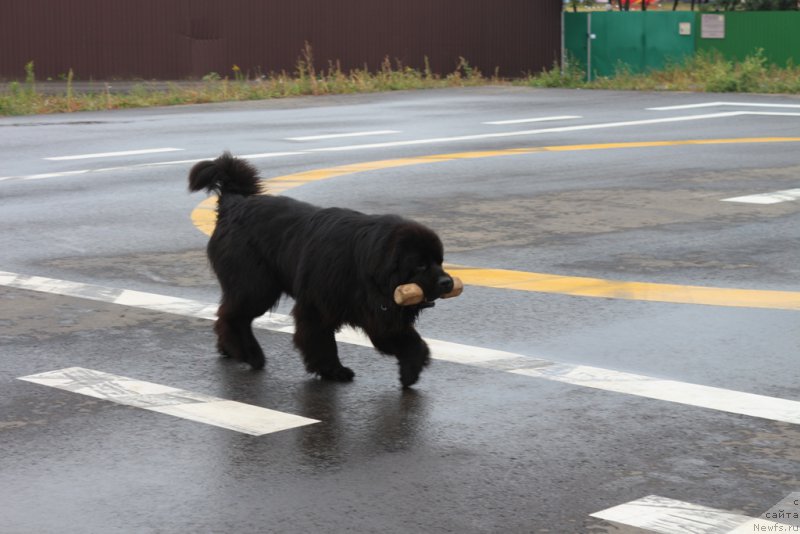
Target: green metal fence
<point>575,37</point>
<point>641,41</point>
<point>637,41</point>
<point>777,33</point>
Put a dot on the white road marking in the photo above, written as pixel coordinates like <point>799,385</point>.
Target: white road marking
<point>713,398</point>
<point>336,136</point>
<point>560,129</point>
<point>718,104</point>
<point>54,174</point>
<point>422,142</point>
<point>141,166</point>
<point>775,197</point>
<point>540,119</point>
<point>669,516</point>
<point>238,416</point>
<point>264,155</point>
<point>724,400</point>
<point>115,154</point>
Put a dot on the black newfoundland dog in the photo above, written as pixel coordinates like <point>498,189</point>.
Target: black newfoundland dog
<point>340,266</point>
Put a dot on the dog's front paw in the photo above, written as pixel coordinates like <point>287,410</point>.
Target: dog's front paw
<point>411,367</point>
<point>409,374</point>
<point>339,374</point>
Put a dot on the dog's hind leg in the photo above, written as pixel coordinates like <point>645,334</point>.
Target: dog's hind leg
<point>234,328</point>
<point>235,336</point>
<point>411,351</point>
<point>317,343</point>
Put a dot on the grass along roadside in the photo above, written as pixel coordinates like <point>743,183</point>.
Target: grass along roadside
<point>702,72</point>
<point>24,98</point>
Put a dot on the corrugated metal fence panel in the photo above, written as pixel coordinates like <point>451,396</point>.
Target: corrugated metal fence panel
<point>170,39</point>
<point>575,43</point>
<point>92,37</point>
<point>638,41</point>
<point>651,40</point>
<point>664,44</point>
<point>620,42</point>
<point>776,32</point>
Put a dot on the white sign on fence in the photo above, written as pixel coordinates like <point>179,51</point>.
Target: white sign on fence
<point>712,26</point>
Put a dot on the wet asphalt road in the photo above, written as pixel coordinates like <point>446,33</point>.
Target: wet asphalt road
<point>469,449</point>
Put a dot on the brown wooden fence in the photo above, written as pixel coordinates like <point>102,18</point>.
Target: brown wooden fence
<point>180,39</point>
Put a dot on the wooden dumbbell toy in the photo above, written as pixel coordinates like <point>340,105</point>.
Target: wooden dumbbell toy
<point>411,294</point>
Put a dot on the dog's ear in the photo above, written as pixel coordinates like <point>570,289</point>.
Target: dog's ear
<point>409,245</point>
<point>380,255</point>
<point>378,252</point>
<point>386,253</point>
<point>415,238</point>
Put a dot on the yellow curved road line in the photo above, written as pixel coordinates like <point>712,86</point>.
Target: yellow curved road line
<point>204,218</point>
<point>617,289</point>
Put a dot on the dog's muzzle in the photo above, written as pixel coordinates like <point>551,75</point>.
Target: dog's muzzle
<point>445,285</point>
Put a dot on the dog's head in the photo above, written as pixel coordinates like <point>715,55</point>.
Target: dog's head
<point>416,256</point>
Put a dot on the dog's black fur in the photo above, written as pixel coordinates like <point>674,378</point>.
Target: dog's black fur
<point>340,266</point>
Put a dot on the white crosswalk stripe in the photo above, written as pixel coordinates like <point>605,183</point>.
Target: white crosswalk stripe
<point>233,415</point>
<point>714,398</point>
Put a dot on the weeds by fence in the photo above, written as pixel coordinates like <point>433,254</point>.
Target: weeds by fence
<point>24,98</point>
<point>702,72</point>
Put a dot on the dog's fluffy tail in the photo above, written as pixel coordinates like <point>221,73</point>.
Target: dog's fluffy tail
<point>224,175</point>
